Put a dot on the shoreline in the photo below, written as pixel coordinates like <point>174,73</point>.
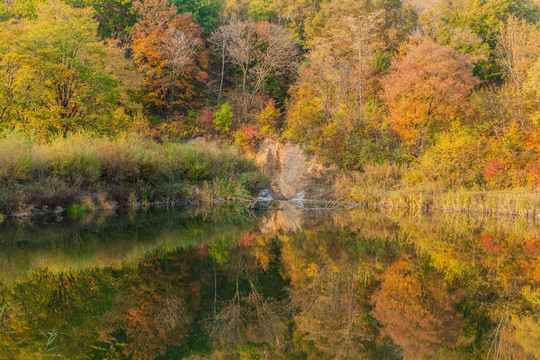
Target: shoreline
<point>392,203</point>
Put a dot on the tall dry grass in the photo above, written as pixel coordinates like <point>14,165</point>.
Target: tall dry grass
<point>127,169</point>
<point>394,186</point>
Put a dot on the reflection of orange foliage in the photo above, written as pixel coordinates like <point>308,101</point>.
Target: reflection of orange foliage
<point>416,312</point>
<point>531,267</point>
<point>262,246</point>
<point>246,239</point>
<point>489,243</point>
<point>166,300</point>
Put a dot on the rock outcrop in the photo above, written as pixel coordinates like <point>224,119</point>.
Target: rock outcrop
<point>291,170</point>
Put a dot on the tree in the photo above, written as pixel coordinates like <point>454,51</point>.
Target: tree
<point>205,13</point>
<point>393,26</point>
<point>223,118</point>
<point>71,81</point>
<point>298,14</point>
<point>518,49</point>
<point>258,50</point>
<point>364,44</point>
<point>14,73</point>
<point>532,87</point>
<point>426,90</point>
<point>19,9</point>
<point>170,51</point>
<point>179,50</point>
<point>470,27</point>
<point>339,65</point>
<point>57,77</point>
<point>115,17</point>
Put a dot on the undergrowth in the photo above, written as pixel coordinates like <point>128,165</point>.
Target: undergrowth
<point>97,172</point>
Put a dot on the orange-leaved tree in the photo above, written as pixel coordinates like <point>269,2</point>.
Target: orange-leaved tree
<point>170,51</point>
<point>427,90</point>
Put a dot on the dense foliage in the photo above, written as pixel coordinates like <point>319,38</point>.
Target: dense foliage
<point>356,82</point>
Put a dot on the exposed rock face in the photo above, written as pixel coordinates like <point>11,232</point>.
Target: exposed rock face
<point>290,169</point>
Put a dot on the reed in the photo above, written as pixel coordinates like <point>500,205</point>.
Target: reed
<point>82,169</point>
<point>392,186</point>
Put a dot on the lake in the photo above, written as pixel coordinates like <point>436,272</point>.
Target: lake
<point>227,283</point>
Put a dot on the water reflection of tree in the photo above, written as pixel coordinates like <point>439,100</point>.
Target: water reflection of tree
<point>417,311</point>
<point>248,314</point>
<point>166,296</point>
<point>332,315</point>
<point>332,276</point>
<point>429,288</point>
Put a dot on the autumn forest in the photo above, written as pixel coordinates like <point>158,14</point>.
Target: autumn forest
<point>443,94</point>
<point>269,179</point>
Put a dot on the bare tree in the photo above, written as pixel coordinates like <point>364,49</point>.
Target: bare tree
<point>238,42</point>
<point>258,50</point>
<point>338,66</point>
<point>179,49</point>
<point>518,49</point>
<point>364,42</point>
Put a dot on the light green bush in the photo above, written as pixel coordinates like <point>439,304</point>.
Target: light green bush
<point>223,118</point>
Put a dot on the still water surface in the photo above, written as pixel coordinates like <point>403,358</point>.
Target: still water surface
<point>224,283</point>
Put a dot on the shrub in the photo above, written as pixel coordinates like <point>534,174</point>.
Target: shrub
<point>248,137</point>
<point>456,159</point>
<point>67,170</point>
<point>223,118</point>
<point>206,119</point>
<point>196,166</point>
<point>270,119</point>
<point>254,181</point>
<point>129,158</point>
<point>225,188</point>
<point>231,163</point>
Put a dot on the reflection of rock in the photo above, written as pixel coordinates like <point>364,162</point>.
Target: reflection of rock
<point>262,201</point>
<point>290,169</point>
<point>288,219</point>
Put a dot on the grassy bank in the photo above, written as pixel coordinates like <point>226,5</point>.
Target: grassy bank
<point>393,186</point>
<point>81,171</point>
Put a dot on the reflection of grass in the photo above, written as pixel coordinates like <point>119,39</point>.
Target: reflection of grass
<point>49,351</point>
<point>88,240</point>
